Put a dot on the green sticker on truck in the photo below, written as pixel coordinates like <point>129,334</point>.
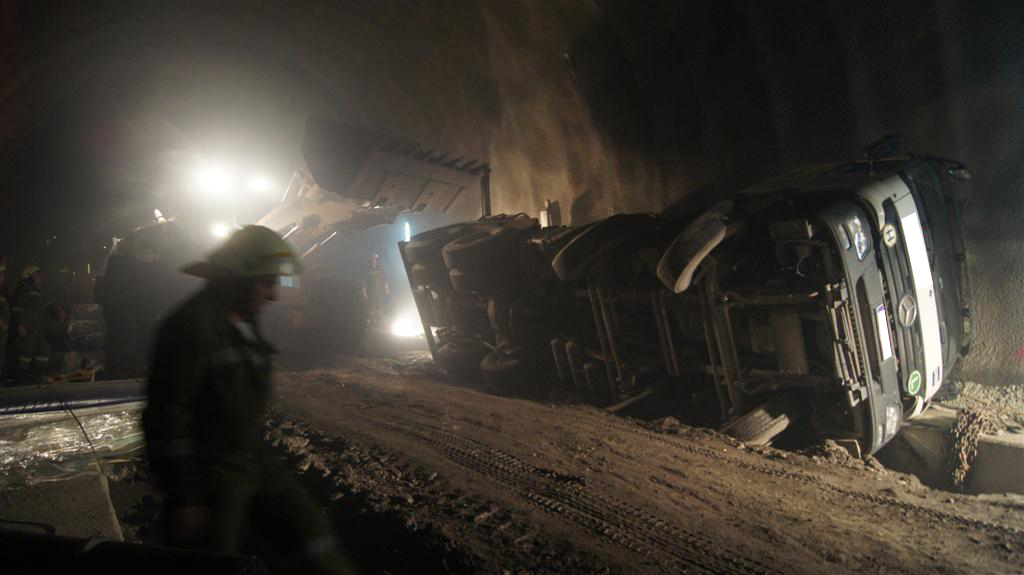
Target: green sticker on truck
<point>914,383</point>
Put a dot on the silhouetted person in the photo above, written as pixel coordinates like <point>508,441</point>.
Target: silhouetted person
<point>30,350</point>
<point>375,291</point>
<point>208,389</point>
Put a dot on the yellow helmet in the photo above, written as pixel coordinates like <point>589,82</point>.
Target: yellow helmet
<point>252,251</point>
<point>28,271</point>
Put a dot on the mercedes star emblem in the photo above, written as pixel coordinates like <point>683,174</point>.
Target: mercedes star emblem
<point>908,310</point>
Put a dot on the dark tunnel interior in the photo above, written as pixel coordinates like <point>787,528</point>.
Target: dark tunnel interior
<point>137,136</point>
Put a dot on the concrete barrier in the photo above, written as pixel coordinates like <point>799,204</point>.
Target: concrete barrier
<point>921,450</point>
<point>76,507</point>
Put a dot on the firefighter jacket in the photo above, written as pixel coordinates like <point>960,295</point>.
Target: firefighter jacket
<point>208,388</point>
<point>26,338</point>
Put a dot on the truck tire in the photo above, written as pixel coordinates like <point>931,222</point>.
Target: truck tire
<point>761,425</point>
<point>686,252</point>
<point>429,275</point>
<point>460,359</point>
<point>571,262</point>
<point>508,374</point>
<point>520,221</point>
<point>481,248</point>
<point>472,281</point>
<point>553,240</point>
<point>425,247</point>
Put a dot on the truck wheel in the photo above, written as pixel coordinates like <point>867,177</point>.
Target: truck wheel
<point>506,374</point>
<point>686,252</point>
<point>511,373</point>
<point>425,247</point>
<point>520,221</point>
<point>481,248</point>
<point>460,359</point>
<point>572,261</point>
<point>429,275</point>
<point>466,282</point>
<point>553,243</point>
<point>761,425</point>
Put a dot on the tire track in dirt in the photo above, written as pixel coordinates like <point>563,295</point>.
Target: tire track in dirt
<point>456,429</point>
<point>357,471</point>
<point>567,496</point>
<point>801,477</point>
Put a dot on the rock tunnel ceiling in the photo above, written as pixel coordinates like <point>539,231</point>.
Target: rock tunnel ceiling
<point>601,106</point>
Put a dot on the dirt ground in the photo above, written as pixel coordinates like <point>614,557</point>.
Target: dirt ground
<point>422,476</point>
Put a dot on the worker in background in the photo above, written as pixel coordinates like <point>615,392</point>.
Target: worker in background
<point>209,385</point>
<point>5,314</point>
<point>30,349</point>
<point>55,329</point>
<point>375,291</point>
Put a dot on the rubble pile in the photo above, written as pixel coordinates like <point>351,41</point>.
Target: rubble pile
<point>963,443</point>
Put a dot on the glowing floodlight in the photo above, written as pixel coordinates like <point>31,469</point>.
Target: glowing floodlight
<point>259,183</point>
<point>220,230</point>
<point>407,325</point>
<point>214,180</point>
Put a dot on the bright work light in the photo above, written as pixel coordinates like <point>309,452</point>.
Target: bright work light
<point>407,325</point>
<point>220,230</point>
<point>259,183</point>
<point>214,180</point>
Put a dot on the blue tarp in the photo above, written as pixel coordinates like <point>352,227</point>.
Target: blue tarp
<point>75,395</point>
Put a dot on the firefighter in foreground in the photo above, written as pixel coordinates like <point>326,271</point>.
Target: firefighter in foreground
<point>208,388</point>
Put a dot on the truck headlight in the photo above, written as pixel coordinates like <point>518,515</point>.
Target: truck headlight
<point>861,241</point>
<point>892,419</point>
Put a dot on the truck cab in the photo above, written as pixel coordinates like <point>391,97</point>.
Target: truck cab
<point>836,290</point>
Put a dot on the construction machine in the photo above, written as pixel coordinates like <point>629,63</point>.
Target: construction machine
<point>355,180</point>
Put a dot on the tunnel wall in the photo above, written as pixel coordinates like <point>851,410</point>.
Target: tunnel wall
<point>686,101</point>
<point>602,107</point>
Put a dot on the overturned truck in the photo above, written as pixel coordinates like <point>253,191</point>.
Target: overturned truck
<point>834,296</point>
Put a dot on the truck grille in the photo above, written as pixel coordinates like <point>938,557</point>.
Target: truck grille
<point>898,282</point>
